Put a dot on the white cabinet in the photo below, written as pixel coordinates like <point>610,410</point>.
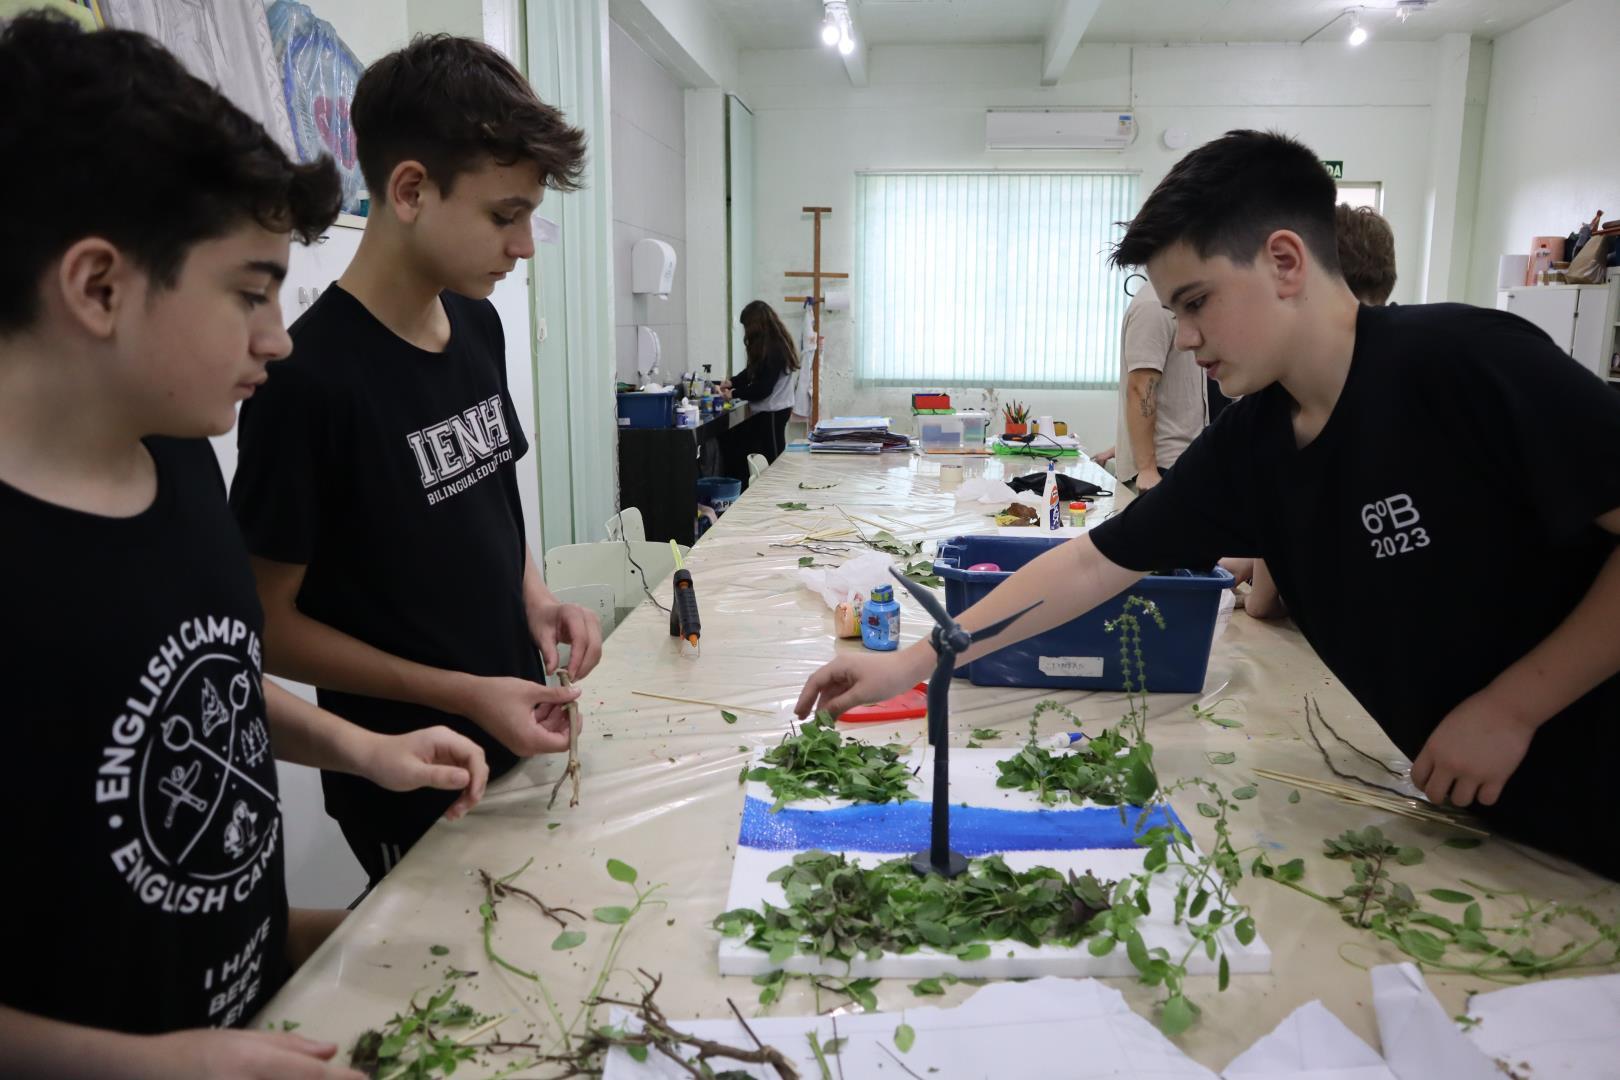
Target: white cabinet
<point>1581,319</point>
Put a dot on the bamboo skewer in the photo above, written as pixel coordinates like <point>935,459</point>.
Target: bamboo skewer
<point>1404,806</point>
<point>700,701</point>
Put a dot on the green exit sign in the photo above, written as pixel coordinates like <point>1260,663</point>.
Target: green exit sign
<point>1335,169</point>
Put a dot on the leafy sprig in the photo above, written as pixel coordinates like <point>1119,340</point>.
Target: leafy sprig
<point>819,763</point>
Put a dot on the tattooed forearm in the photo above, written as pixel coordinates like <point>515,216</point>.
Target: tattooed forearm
<point>1150,396</point>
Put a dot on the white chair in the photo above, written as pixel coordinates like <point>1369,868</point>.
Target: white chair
<point>597,598</point>
<point>757,464</point>
<point>609,563</point>
<point>627,524</point>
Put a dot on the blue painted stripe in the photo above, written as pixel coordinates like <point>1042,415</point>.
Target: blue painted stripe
<point>975,830</point>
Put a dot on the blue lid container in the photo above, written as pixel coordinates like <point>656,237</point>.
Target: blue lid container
<point>1081,654</point>
<point>639,409</point>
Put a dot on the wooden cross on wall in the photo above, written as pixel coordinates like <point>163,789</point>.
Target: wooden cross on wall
<point>817,297</point>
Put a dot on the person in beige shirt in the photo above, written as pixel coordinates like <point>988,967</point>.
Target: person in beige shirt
<point>1163,396</point>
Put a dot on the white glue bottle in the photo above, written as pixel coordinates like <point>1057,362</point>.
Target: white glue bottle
<point>1052,512</point>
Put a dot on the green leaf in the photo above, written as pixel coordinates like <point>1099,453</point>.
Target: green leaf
<point>619,871</point>
<point>1248,791</point>
<point>1208,810</point>
<point>1244,929</point>
<point>637,1053</point>
<point>1462,842</point>
<point>792,506</point>
<point>1409,856</point>
<point>1101,945</point>
<point>1293,796</point>
<point>1225,975</point>
<point>392,1045</point>
<point>611,915</point>
<point>1177,1015</point>
<point>904,1037</point>
<point>438,950</point>
<point>807,560</point>
<point>1422,944</point>
<point>977,951</point>
<point>568,939</point>
<point>1450,896</point>
<point>1473,917</point>
<point>782,952</point>
<point>550,825</point>
<point>924,987</point>
<point>1292,870</point>
<point>728,717</point>
<point>1221,757</point>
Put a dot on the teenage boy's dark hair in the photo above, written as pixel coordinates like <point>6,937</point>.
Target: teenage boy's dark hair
<point>1227,196</point>
<point>105,134</point>
<point>1366,252</point>
<point>450,102</point>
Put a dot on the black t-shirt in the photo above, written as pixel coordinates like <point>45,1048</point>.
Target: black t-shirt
<point>390,472</point>
<point>1438,528</point>
<point>146,890</point>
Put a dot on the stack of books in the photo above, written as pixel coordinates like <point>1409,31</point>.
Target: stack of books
<point>856,435</point>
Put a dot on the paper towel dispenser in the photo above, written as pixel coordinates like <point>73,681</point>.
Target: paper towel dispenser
<point>652,267</point>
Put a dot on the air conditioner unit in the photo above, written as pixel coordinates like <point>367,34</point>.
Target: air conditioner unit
<point>1058,129</point>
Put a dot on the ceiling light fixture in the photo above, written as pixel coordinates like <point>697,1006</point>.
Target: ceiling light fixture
<point>1358,33</point>
<point>836,27</point>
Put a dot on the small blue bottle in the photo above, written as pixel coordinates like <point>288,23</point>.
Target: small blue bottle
<point>880,620</point>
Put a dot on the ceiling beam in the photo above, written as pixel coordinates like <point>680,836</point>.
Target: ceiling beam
<point>1069,21</point>
<point>855,62</point>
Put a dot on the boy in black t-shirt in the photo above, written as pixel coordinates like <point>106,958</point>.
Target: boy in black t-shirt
<point>1378,462</point>
<point>144,843</point>
<point>377,484</point>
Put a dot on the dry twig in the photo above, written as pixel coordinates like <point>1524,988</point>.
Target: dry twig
<point>572,771</point>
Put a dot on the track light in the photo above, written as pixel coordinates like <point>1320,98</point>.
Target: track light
<point>836,28</point>
<point>1358,33</point>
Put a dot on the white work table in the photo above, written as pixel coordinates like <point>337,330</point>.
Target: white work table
<point>660,792</point>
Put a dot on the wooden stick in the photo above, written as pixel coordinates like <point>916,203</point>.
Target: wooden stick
<point>700,701</point>
<point>1406,807</point>
<point>572,771</point>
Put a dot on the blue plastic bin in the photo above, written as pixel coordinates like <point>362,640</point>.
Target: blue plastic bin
<point>1080,654</point>
<point>642,410</point>
<point>718,492</point>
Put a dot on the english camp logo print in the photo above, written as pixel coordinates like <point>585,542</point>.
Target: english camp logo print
<point>186,779</point>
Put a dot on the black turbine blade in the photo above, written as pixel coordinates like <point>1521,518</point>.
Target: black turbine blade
<point>925,596</point>
<point>995,628</point>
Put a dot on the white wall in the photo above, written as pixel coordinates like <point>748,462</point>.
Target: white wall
<point>924,109</point>
<point>1551,157</point>
<point>649,199</point>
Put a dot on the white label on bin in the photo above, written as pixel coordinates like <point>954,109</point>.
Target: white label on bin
<point>1072,667</point>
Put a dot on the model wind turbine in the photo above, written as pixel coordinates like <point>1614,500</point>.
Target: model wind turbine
<point>950,641</point>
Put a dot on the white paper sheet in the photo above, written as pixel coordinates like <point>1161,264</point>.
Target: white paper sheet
<point>1077,1029</point>
<point>1564,1028</point>
<point>1420,1041</point>
<point>1310,1044</point>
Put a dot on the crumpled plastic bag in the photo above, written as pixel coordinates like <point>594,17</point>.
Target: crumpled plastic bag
<point>840,584</point>
<point>983,489</point>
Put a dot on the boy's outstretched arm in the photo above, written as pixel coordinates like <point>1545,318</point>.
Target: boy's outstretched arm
<point>527,717</point>
<point>1069,580</point>
<point>434,757</point>
<point>41,1049</point>
<point>1480,743</point>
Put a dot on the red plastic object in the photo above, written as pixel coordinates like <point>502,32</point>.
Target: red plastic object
<point>930,401</point>
<point>990,566</point>
<point>907,706</point>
